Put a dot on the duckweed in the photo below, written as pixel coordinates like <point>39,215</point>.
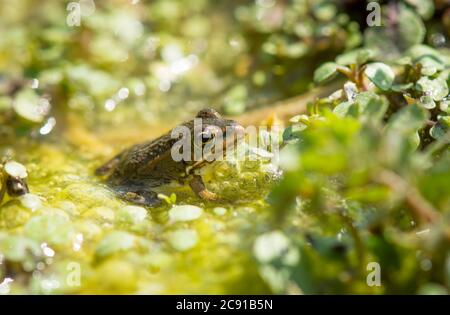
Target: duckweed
<point>53,228</point>
<point>115,242</point>
<point>185,213</point>
<point>219,211</point>
<point>30,201</point>
<point>183,239</point>
<point>132,214</point>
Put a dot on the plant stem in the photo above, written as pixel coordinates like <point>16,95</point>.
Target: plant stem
<point>285,109</point>
<point>421,209</point>
<point>359,247</point>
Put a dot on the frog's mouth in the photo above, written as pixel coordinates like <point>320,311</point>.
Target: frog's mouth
<point>230,141</point>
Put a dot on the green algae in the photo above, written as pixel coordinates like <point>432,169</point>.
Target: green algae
<point>99,244</point>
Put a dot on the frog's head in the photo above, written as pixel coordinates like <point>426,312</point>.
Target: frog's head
<point>212,119</point>
<point>215,132</point>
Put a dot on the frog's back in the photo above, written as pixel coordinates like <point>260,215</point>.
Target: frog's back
<point>148,163</point>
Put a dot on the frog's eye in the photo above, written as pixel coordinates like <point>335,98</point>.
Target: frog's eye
<point>209,133</point>
<point>208,113</point>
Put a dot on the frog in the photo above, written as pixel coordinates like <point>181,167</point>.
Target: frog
<point>134,173</point>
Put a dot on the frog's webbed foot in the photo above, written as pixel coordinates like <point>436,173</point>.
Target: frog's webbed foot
<point>199,188</point>
<point>141,197</point>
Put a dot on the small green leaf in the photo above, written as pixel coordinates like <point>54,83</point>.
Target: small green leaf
<point>402,87</point>
<point>424,7</point>
<point>325,11</point>
<point>300,119</point>
<point>169,200</point>
<point>30,106</point>
<point>173,198</point>
<point>372,106</point>
<point>293,132</point>
<point>185,213</point>
<point>430,65</point>
<point>410,28</point>
<point>325,71</point>
<point>438,131</point>
<point>409,119</point>
<point>445,74</point>
<point>131,215</point>
<point>418,51</point>
<point>403,61</point>
<point>115,242</point>
<point>444,121</point>
<point>391,40</point>
<point>54,229</point>
<point>444,106</point>
<point>427,102</point>
<point>436,88</point>
<point>183,239</point>
<point>342,109</point>
<point>357,56</point>
<point>380,74</point>
<point>17,248</point>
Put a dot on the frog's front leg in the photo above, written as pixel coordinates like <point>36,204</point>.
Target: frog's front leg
<point>198,186</point>
<point>140,196</point>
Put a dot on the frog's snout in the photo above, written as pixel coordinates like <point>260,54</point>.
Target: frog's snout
<point>238,128</point>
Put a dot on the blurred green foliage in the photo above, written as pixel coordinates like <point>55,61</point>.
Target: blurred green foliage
<point>234,55</point>
<point>367,170</point>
